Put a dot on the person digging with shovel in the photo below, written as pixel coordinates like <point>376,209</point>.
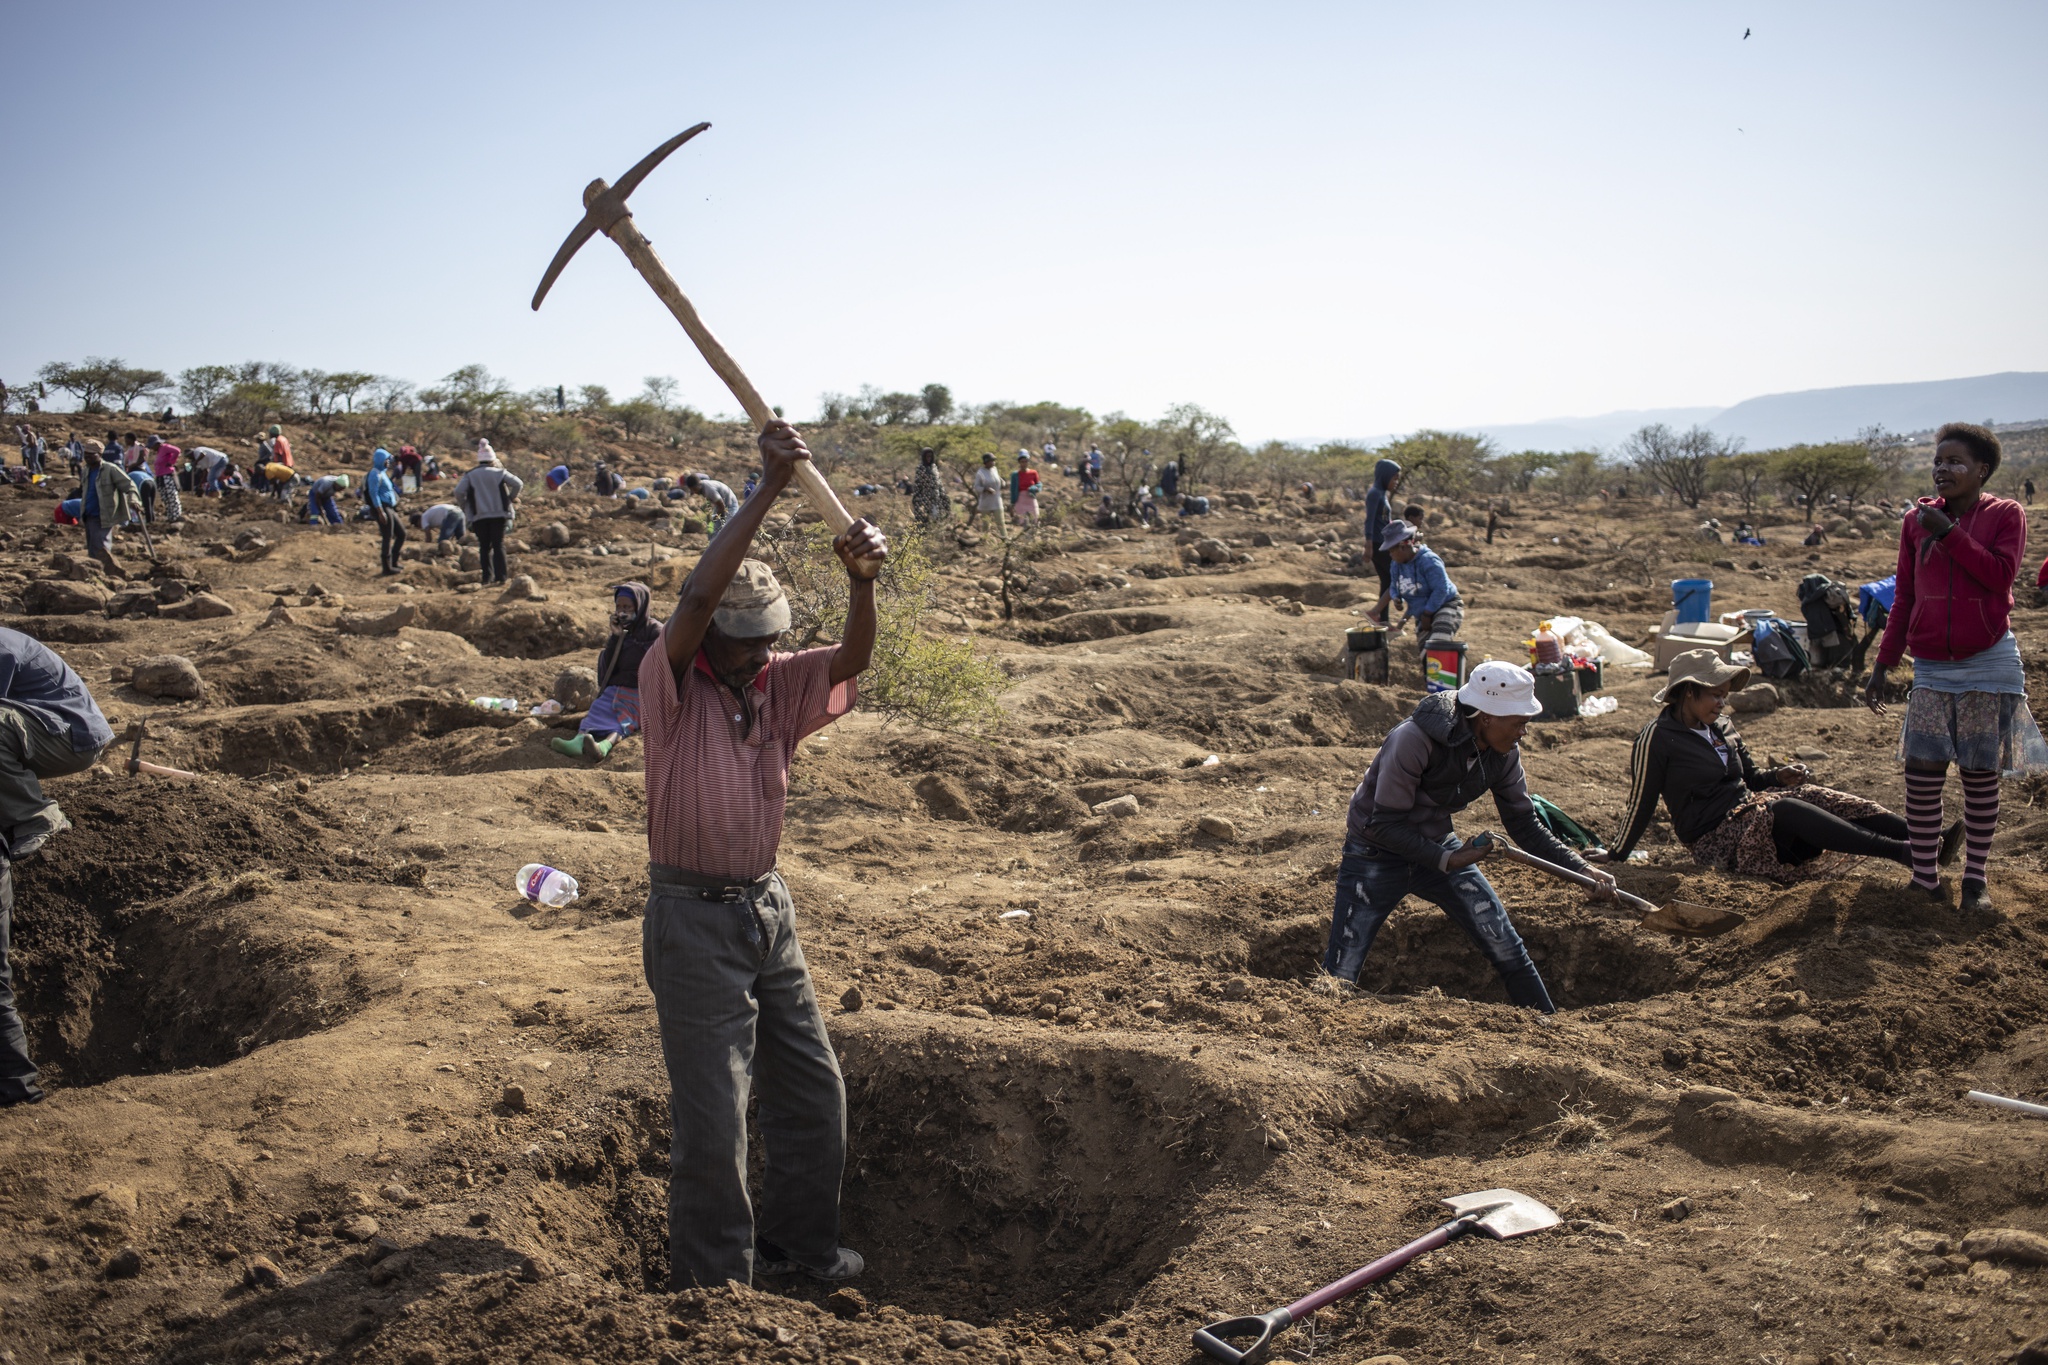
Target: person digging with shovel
<point>722,713</point>
<point>1456,747</point>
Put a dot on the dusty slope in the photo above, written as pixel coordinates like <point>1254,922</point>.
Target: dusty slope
<point>290,999</point>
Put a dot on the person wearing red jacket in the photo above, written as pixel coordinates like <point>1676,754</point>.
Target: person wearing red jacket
<point>1959,553</point>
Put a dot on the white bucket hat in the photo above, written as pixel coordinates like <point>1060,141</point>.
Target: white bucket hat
<point>1501,689</point>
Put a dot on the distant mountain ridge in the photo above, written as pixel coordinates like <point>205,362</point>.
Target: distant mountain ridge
<point>1780,419</point>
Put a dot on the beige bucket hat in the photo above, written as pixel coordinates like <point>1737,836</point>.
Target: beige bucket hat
<point>1705,667</point>
<point>754,604</point>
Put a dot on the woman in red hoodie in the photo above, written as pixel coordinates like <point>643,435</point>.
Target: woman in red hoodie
<point>1959,552</point>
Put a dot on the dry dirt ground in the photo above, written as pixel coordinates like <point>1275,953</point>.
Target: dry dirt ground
<point>281,1007</point>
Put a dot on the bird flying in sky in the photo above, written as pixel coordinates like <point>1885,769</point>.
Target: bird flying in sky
<point>1745,35</point>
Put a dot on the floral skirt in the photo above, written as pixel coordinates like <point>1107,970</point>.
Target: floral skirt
<point>1743,842</point>
<point>1976,731</point>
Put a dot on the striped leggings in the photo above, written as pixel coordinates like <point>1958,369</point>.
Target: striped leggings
<point>1923,822</point>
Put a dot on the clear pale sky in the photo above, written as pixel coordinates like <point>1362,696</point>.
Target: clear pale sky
<point>1317,219</point>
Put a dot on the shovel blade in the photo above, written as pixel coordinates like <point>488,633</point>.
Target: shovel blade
<point>1692,920</point>
<point>1504,1213</point>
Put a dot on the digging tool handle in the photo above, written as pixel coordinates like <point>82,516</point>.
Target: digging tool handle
<point>136,765</point>
<point>1383,1267</point>
<point>1515,855</point>
<point>640,252</point>
<point>2035,1111</point>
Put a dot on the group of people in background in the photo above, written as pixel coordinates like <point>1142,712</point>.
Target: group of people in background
<point>1960,552</point>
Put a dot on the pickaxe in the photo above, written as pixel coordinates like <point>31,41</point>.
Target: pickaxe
<point>136,765</point>
<point>605,211</point>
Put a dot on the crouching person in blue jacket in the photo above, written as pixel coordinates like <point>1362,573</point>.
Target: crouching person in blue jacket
<point>1398,840</point>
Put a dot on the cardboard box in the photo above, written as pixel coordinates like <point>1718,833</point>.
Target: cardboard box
<point>1674,639</point>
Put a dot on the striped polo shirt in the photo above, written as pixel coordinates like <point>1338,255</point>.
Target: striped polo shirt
<point>715,796</point>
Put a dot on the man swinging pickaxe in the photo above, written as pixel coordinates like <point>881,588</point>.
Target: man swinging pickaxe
<point>722,713</point>
<point>605,211</point>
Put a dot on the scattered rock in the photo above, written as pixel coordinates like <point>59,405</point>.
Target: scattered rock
<point>55,597</point>
<point>1806,753</point>
<point>470,560</point>
<point>846,1303</point>
<point>1677,1210</point>
<point>520,587</point>
<point>1926,1243</point>
<point>1216,827</point>
<point>576,687</point>
<point>260,1272</point>
<point>958,1336</point>
<point>115,1201</point>
<point>852,999</point>
<point>1065,583</point>
<point>1237,988</point>
<point>1758,698</point>
<point>1151,1007</point>
<point>124,1264</point>
<point>1120,806</point>
<point>390,623</point>
<point>1277,1140</point>
<point>1262,539</point>
<point>514,1098</point>
<point>945,798</point>
<point>1211,551</point>
<point>1724,564</point>
<point>2006,1244</point>
<point>358,1228</point>
<point>535,1268</point>
<point>1384,1360</point>
<point>202,606</point>
<point>970,1012</point>
<point>553,536</point>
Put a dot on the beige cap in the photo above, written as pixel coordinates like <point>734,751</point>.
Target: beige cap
<point>754,605</point>
<point>1705,667</point>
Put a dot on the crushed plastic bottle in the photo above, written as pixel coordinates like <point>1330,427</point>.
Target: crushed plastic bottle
<point>550,707</point>
<point>496,703</point>
<point>546,885</point>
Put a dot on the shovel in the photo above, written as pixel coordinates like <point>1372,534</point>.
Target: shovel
<point>1497,1213</point>
<point>1686,918</point>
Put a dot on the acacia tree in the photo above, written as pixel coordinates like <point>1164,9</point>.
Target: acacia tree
<point>88,381</point>
<point>1441,462</point>
<point>1816,471</point>
<point>344,385</point>
<point>131,383</point>
<point>937,401</point>
<point>1198,438</point>
<point>1681,464</point>
<point>202,386</point>
<point>660,390</point>
<point>1745,475</point>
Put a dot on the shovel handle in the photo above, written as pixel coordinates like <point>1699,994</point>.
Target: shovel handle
<point>1566,874</point>
<point>1256,1333</point>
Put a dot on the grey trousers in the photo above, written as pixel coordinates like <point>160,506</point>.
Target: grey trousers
<point>735,1001</point>
<point>29,753</point>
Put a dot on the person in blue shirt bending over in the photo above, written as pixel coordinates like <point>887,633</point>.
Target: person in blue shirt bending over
<point>1421,585</point>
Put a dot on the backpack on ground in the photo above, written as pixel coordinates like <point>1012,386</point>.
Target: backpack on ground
<point>1563,827</point>
<point>1777,651</point>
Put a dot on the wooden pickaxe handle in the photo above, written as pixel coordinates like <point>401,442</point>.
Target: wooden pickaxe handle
<point>640,252</point>
<point>136,765</point>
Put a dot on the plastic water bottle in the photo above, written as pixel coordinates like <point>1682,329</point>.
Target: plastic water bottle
<point>496,703</point>
<point>546,885</point>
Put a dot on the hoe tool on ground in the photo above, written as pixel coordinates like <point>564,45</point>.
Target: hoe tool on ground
<point>1497,1213</point>
<point>1687,918</point>
<point>605,211</point>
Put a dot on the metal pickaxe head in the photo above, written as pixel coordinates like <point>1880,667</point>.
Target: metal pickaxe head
<point>1503,1213</point>
<point>604,205</point>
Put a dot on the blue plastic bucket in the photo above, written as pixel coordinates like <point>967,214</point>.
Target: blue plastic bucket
<point>1694,598</point>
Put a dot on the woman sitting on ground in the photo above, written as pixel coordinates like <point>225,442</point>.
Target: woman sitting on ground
<point>616,712</point>
<point>1734,816</point>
